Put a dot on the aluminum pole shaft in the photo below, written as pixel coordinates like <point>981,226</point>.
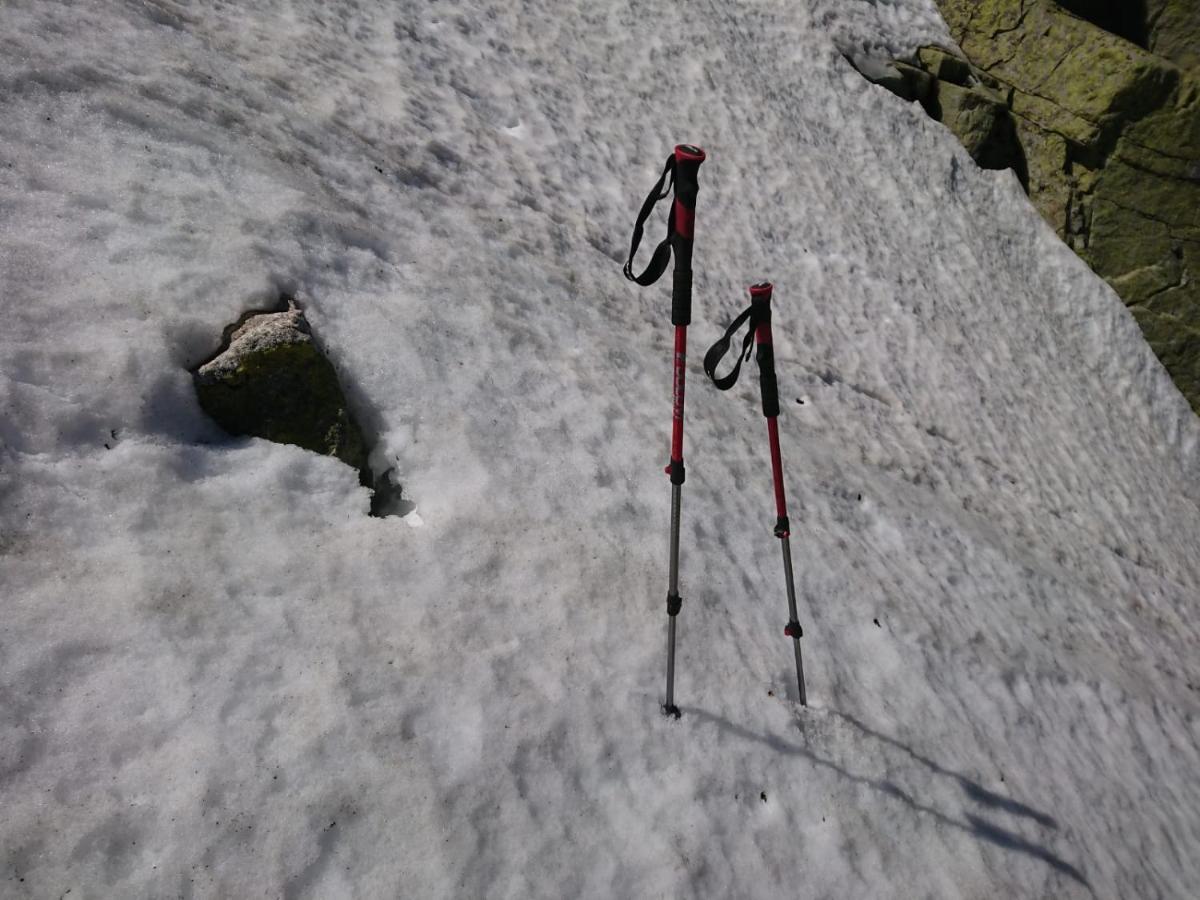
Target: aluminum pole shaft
<point>791,598</point>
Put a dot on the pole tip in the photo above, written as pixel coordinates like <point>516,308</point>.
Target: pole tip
<point>670,709</point>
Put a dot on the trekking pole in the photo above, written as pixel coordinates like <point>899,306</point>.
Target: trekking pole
<point>679,173</point>
<point>759,316</point>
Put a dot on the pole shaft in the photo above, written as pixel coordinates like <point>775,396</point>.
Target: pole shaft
<point>673,591</point>
<point>683,217</point>
<point>777,467</point>
<point>679,368</point>
<point>791,598</point>
<point>669,707</point>
<point>760,300</point>
<point>676,501</point>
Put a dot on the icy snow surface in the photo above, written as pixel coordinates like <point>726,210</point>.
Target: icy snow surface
<point>220,678</point>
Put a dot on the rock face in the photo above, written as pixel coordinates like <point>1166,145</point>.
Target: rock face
<point>273,382</point>
<point>1096,106</point>
<point>1173,31</point>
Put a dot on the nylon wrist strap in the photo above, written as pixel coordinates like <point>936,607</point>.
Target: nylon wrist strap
<point>717,351</point>
<point>662,253</point>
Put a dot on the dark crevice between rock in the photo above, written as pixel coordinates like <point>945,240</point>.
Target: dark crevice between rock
<point>1017,26</point>
<point>1126,19</point>
<point>270,378</point>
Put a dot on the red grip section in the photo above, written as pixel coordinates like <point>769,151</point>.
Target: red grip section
<point>680,367</point>
<point>777,467</point>
<point>762,333</point>
<point>685,220</point>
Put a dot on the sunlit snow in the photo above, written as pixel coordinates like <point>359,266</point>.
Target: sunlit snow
<point>219,677</point>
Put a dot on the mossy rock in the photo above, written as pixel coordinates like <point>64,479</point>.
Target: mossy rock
<point>984,126</point>
<point>1180,296</point>
<point>1121,240</point>
<point>1174,31</point>
<point>968,19</point>
<point>917,83</point>
<point>273,382</point>
<point>1110,133</point>
<point>1048,182</point>
<point>1177,345</point>
<point>1068,75</point>
<point>1148,283</point>
<point>1173,201</point>
<point>1167,141</point>
<point>904,80</point>
<point>945,65</point>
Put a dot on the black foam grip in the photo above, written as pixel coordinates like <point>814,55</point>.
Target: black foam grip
<point>765,356</point>
<point>766,380</point>
<point>681,283</point>
<point>686,187</point>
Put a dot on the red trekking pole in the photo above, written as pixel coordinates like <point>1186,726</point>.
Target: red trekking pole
<point>759,316</point>
<point>680,173</point>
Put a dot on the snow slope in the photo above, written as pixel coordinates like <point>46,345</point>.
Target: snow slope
<point>220,678</point>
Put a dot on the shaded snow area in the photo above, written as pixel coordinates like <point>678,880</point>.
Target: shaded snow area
<point>219,677</point>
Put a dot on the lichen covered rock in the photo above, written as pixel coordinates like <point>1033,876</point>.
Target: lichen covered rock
<point>982,124</point>
<point>1096,106</point>
<point>1068,75</point>
<point>1177,344</point>
<point>1174,32</point>
<point>273,382</point>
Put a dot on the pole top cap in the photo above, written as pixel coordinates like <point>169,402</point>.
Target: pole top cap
<point>762,289</point>
<point>688,153</point>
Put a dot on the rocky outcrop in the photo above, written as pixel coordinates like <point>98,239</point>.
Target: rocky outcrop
<point>1167,28</point>
<point>1096,106</point>
<point>272,381</point>
<point>1173,31</point>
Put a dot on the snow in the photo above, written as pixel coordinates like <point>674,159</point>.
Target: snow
<point>220,677</point>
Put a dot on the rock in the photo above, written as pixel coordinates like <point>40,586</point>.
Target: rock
<point>984,126</point>
<point>905,81</point>
<point>1110,129</point>
<point>941,63</point>
<point>1086,101</point>
<point>1123,18</point>
<point>1174,32</point>
<point>965,100</point>
<point>917,82</point>
<point>1167,141</point>
<point>1176,344</point>
<point>1068,75</point>
<point>1047,181</point>
<point>272,381</point>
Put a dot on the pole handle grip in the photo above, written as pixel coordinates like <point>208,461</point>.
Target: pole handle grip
<point>760,303</point>
<point>683,221</point>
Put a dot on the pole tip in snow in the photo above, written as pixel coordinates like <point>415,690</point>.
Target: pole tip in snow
<point>670,709</point>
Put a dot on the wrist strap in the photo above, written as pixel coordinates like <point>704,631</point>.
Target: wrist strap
<point>717,351</point>
<point>662,253</point>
